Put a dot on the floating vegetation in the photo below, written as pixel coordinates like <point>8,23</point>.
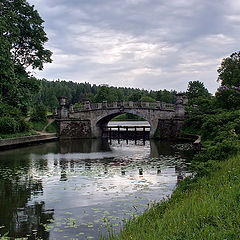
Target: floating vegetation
<point>86,197</point>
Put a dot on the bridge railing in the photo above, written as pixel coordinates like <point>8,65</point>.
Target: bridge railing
<point>143,105</point>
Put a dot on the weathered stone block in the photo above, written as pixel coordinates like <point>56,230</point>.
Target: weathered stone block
<point>75,129</point>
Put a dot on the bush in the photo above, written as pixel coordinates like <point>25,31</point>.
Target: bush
<point>52,128</point>
<point>39,113</point>
<point>8,125</point>
<point>12,120</point>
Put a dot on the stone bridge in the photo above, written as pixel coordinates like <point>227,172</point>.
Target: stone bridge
<point>88,122</point>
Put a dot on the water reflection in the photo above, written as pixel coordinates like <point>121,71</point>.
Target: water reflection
<point>71,188</point>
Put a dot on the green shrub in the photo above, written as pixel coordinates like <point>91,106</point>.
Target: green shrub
<point>8,125</point>
<point>38,126</point>
<point>52,128</point>
<point>39,113</point>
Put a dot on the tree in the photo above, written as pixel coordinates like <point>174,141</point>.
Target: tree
<point>147,99</point>
<point>23,28</point>
<point>105,93</point>
<point>196,89</point>
<point>229,72</point>
<point>22,39</point>
<point>135,96</point>
<point>7,76</point>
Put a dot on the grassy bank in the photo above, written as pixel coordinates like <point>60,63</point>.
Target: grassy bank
<point>16,135</point>
<point>39,126</point>
<point>205,208</point>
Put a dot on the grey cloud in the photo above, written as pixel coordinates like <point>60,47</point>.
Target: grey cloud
<point>139,43</point>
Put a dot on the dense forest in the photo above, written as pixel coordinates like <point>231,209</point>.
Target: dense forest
<point>50,91</point>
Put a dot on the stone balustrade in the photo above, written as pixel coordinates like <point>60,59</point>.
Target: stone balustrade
<point>105,105</point>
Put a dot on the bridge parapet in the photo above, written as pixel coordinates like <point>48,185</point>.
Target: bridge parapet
<point>140,105</point>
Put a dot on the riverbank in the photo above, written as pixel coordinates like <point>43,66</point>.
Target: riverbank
<point>202,208</point>
<point>206,205</point>
<point>26,140</point>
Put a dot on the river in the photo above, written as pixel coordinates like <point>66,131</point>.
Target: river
<point>77,189</point>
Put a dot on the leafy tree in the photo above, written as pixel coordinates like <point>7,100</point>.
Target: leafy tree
<point>39,113</point>
<point>135,96</point>
<point>147,99</point>
<point>196,89</point>
<point>228,97</point>
<point>229,72</point>
<point>105,94</point>
<point>7,76</point>
<point>23,28</point>
<point>22,39</point>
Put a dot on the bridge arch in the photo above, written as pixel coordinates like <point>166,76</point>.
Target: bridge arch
<point>87,122</point>
<point>101,121</point>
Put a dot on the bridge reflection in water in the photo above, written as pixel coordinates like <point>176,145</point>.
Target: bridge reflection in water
<point>127,130</point>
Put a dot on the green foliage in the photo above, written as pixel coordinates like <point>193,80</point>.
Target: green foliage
<point>229,71</point>
<point>128,117</point>
<point>135,97</point>
<point>52,128</point>
<point>16,135</point>
<point>38,126</point>
<point>8,81</point>
<point>78,93</point>
<point>196,89</point>
<point>220,133</point>
<point>228,97</point>
<point>39,114</point>
<point>23,28</point>
<point>147,99</point>
<point>11,120</point>
<point>8,125</point>
<point>105,94</point>
<point>22,39</point>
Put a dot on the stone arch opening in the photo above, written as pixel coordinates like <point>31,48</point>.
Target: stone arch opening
<point>102,123</point>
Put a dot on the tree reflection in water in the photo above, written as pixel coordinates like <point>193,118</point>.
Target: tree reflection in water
<point>20,216</point>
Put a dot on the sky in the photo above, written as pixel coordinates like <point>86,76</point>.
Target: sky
<point>150,44</point>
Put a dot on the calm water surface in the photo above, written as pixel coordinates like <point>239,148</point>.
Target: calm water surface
<point>75,189</point>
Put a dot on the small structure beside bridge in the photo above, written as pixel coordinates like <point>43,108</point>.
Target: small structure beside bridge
<point>90,121</point>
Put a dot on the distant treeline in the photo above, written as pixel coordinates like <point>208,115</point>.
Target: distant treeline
<point>80,92</point>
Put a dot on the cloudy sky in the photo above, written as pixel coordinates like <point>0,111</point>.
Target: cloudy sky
<point>151,44</point>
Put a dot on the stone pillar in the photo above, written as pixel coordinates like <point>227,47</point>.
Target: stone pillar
<point>63,111</point>
<point>99,105</point>
<point>147,104</point>
<point>163,105</point>
<point>115,104</point>
<point>130,104</point>
<point>158,104</point>
<point>180,106</point>
<point>185,100</point>
<point>55,112</point>
<point>71,110</point>
<point>87,105</point>
<point>104,105</point>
